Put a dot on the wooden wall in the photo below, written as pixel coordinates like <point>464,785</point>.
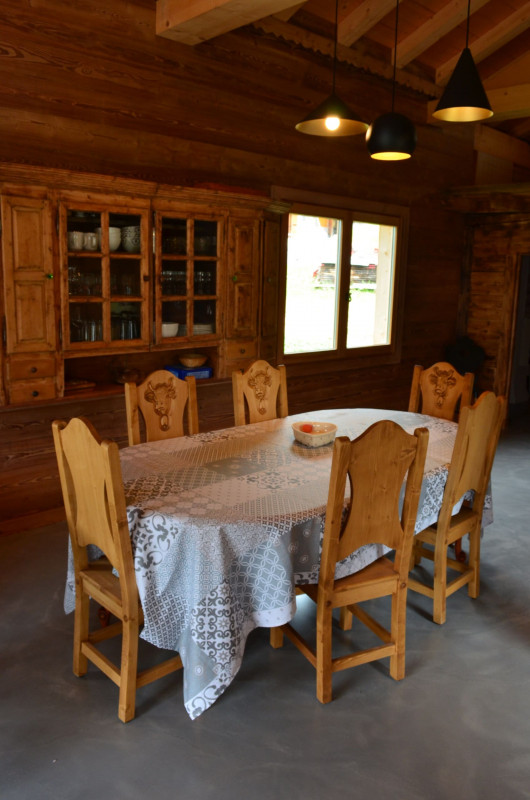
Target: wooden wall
<point>498,242</point>
<point>89,87</point>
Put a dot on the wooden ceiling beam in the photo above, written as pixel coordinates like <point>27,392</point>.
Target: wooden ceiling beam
<point>497,37</point>
<point>501,145</point>
<point>195,21</point>
<point>448,18</point>
<point>286,15</point>
<point>359,21</point>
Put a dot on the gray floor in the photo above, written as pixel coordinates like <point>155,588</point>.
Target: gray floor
<point>458,726</point>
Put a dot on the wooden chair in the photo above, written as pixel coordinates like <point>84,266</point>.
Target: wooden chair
<point>437,390</point>
<point>474,450</point>
<point>264,391</point>
<point>94,500</point>
<point>375,465</point>
<point>161,400</point>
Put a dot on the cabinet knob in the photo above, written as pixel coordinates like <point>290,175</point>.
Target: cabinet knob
<point>234,278</point>
<point>242,350</point>
<point>49,275</point>
<point>34,393</point>
<point>33,370</point>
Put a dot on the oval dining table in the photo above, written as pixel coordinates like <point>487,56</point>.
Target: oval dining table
<point>225,524</point>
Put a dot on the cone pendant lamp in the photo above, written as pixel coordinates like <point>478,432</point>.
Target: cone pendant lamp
<point>464,98</point>
<point>332,117</point>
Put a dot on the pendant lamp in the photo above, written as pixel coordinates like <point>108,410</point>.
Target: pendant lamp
<point>464,98</point>
<point>392,137</point>
<point>332,117</point>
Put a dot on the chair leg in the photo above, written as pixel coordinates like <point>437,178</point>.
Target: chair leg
<point>276,637</point>
<point>346,618</point>
<point>323,652</point>
<point>440,583</point>
<point>129,668</point>
<point>81,630</point>
<point>474,562</point>
<point>415,556</point>
<point>397,631</point>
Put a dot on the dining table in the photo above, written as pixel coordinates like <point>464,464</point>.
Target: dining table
<point>225,524</point>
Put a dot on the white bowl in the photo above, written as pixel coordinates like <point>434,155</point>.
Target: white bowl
<point>321,433</point>
<point>170,329</point>
<point>114,238</point>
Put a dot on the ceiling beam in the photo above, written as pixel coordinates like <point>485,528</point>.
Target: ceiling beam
<point>502,33</point>
<point>450,16</point>
<point>501,145</point>
<point>195,21</point>
<point>359,21</point>
<point>286,15</point>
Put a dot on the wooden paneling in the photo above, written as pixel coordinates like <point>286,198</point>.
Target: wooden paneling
<point>101,93</point>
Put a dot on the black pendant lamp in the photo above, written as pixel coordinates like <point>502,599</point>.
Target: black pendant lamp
<point>464,98</point>
<point>332,117</point>
<point>392,137</point>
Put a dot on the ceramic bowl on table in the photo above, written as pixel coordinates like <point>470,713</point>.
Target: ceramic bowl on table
<point>314,434</point>
<point>191,360</point>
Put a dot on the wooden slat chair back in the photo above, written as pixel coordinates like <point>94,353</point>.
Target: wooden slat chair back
<point>474,450</point>
<point>263,390</point>
<point>161,400</point>
<point>94,500</point>
<point>440,390</point>
<point>375,465</point>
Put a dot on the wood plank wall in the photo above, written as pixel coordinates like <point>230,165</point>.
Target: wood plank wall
<point>89,87</point>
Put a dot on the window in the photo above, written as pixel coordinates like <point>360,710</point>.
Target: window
<point>341,282</point>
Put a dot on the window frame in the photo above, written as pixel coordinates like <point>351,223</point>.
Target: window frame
<point>347,210</point>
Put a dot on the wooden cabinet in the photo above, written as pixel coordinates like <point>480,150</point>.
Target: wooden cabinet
<point>98,284</point>
<point>105,275</point>
<point>189,249</point>
<point>240,346</point>
<point>31,360</point>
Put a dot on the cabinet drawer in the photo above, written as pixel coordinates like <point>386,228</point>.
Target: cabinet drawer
<point>21,367</point>
<point>30,391</point>
<point>240,350</point>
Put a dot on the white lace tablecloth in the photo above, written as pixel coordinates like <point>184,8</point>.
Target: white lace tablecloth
<point>225,524</point>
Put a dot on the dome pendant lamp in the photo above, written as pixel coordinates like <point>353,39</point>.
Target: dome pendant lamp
<point>332,117</point>
<point>464,98</point>
<point>392,137</point>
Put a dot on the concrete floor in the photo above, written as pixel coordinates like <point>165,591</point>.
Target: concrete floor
<point>458,726</point>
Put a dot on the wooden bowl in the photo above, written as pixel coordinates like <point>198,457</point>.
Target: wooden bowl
<point>193,360</point>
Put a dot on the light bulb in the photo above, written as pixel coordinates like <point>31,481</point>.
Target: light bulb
<point>332,123</point>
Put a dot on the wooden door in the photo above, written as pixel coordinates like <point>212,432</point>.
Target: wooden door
<point>28,275</point>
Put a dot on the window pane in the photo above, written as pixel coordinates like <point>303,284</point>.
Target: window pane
<point>371,284</point>
<point>313,252</point>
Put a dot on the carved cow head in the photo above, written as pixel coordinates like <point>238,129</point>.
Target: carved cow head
<point>442,380</point>
<point>160,396</point>
<point>259,381</point>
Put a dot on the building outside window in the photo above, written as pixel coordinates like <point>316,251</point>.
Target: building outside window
<point>341,282</point>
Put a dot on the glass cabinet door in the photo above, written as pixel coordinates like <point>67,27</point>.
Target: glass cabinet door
<point>187,253</point>
<point>105,278</point>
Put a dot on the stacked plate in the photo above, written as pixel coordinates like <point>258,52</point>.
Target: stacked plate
<point>205,328</point>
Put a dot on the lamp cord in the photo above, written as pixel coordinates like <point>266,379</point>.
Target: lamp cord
<point>335,44</point>
<point>467,27</point>
<point>395,56</point>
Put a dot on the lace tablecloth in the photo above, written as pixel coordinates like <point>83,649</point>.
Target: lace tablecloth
<point>225,524</point>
